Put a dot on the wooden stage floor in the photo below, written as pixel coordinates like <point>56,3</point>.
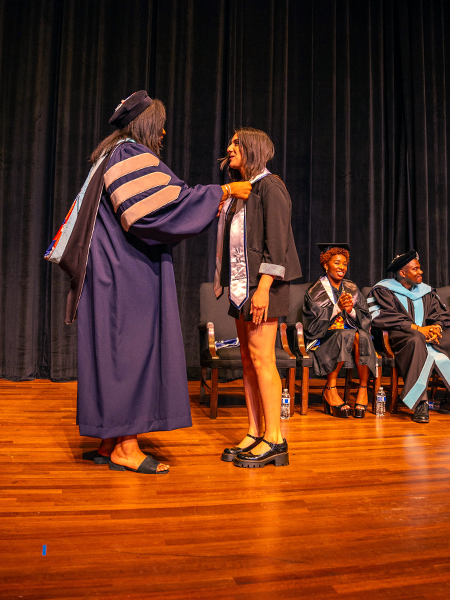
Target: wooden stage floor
<point>362,512</point>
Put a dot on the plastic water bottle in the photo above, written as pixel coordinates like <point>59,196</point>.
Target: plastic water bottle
<point>380,404</point>
<point>431,404</point>
<point>285,404</point>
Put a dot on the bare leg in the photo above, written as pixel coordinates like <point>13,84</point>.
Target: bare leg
<point>128,453</point>
<point>107,446</point>
<point>261,346</point>
<point>332,396</point>
<point>251,389</point>
<point>363,373</point>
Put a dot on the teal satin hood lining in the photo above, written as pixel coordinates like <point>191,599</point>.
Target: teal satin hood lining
<point>416,292</point>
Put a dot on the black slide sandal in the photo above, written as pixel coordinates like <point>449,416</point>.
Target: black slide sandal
<point>147,467</point>
<point>96,458</point>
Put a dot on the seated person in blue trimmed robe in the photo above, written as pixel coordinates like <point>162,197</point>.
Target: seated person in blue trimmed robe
<point>418,323</point>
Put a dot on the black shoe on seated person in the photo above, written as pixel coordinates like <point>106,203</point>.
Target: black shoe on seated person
<point>444,407</point>
<point>421,414</point>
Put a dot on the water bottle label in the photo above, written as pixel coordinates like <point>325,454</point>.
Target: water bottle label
<point>285,400</point>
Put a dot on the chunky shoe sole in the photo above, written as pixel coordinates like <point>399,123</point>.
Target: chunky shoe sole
<point>359,413</point>
<point>335,411</point>
<point>228,457</point>
<point>280,460</point>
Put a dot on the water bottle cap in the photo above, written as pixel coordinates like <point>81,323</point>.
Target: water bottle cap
<point>380,389</point>
<point>285,391</point>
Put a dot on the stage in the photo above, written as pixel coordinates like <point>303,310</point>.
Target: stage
<point>361,512</point>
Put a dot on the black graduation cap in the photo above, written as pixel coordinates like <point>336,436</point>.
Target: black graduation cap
<point>130,108</point>
<point>325,247</point>
<point>401,260</point>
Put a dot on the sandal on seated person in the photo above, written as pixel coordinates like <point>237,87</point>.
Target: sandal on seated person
<point>359,410</point>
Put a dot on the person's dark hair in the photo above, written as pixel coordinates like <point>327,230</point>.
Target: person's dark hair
<point>325,257</point>
<point>256,149</point>
<point>146,129</point>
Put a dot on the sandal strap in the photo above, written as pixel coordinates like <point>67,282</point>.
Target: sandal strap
<point>330,388</point>
<point>271,444</point>
<point>364,387</point>
<point>252,436</point>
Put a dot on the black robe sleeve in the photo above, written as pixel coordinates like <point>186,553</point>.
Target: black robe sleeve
<point>277,224</point>
<point>162,210</point>
<point>387,312</point>
<point>363,319</point>
<point>316,319</point>
<point>437,312</point>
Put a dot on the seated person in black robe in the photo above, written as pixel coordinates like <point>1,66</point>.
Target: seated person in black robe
<point>337,330</point>
<point>418,323</point>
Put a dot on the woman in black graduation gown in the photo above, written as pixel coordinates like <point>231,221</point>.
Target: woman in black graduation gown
<point>337,329</point>
<point>257,258</point>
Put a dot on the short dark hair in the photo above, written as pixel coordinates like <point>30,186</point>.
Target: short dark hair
<point>325,257</point>
<point>256,148</point>
<point>145,129</point>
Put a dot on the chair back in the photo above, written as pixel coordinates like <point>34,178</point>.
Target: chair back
<point>216,311</point>
<point>444,294</point>
<point>296,295</point>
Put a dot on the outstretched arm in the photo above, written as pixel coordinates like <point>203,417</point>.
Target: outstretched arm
<point>153,203</point>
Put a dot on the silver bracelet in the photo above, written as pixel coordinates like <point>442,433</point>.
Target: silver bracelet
<point>228,188</point>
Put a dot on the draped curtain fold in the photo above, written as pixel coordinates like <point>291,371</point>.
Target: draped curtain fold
<point>352,93</point>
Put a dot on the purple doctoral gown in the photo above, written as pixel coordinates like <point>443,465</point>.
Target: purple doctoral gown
<point>131,364</point>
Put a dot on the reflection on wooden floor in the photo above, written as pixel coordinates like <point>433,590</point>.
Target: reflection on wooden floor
<point>363,510</point>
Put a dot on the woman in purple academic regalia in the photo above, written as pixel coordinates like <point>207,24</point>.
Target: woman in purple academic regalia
<point>131,364</point>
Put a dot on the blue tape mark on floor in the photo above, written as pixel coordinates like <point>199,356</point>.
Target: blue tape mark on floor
<point>44,550</point>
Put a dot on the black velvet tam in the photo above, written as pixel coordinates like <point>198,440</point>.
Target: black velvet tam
<point>401,260</point>
<point>130,108</point>
<point>326,247</point>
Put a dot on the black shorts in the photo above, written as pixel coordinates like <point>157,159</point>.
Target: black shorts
<point>278,302</point>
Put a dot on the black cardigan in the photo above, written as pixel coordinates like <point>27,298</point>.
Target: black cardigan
<point>270,241</point>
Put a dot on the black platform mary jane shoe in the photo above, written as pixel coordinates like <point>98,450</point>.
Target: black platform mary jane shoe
<point>230,453</point>
<point>359,410</point>
<point>342,411</point>
<point>277,454</point>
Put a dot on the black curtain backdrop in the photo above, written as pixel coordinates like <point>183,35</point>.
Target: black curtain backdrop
<point>353,94</point>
